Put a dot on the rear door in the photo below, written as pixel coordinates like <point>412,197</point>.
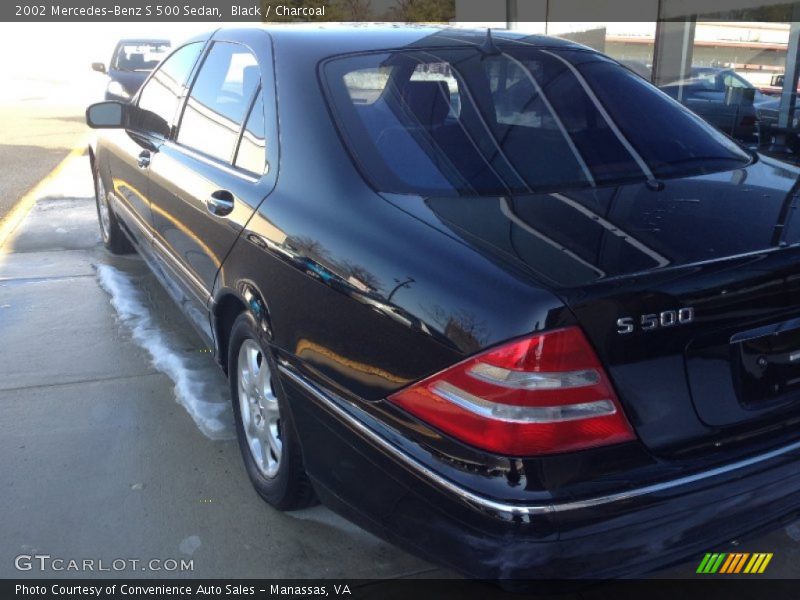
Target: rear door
<point>208,179</point>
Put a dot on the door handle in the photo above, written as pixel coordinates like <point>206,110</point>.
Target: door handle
<point>220,203</point>
<point>144,159</point>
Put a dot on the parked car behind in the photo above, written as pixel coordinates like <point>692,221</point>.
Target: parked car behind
<point>130,64</point>
<point>722,97</point>
<point>769,110</point>
<point>499,301</point>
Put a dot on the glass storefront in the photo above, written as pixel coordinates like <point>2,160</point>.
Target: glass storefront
<point>737,69</point>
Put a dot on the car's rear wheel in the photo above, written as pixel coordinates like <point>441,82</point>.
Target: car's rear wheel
<point>267,437</point>
<point>110,231</point>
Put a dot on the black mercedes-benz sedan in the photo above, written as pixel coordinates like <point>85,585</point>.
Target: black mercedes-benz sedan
<point>494,297</point>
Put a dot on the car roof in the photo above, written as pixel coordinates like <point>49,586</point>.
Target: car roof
<point>143,41</point>
<point>328,39</point>
<point>335,33</point>
<point>709,69</point>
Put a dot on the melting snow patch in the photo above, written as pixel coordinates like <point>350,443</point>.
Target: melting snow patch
<point>190,545</point>
<point>200,392</point>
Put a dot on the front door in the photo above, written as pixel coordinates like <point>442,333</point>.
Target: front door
<point>151,123</point>
<point>208,180</point>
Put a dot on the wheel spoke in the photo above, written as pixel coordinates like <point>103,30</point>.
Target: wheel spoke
<point>270,404</point>
<point>255,370</point>
<point>262,382</point>
<point>245,379</point>
<point>274,443</point>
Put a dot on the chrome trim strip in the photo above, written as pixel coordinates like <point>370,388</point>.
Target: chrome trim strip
<point>137,220</point>
<point>177,265</point>
<point>506,509</point>
<point>469,497</point>
<point>214,162</point>
<point>166,252</point>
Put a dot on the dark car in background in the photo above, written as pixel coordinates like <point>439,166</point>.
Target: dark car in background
<point>722,97</point>
<point>768,112</point>
<point>495,298</point>
<point>774,137</point>
<point>131,62</point>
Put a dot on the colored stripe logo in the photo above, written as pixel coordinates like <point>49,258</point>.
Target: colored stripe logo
<point>734,563</point>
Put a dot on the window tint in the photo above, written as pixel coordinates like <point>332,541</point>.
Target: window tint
<point>251,155</point>
<point>731,80</point>
<point>365,86</point>
<point>219,99</point>
<point>705,80</point>
<point>161,95</point>
<point>448,85</point>
<point>459,122</point>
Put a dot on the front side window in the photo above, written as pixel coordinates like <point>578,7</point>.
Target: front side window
<point>160,96</point>
<point>528,119</point>
<point>219,100</point>
<point>732,80</point>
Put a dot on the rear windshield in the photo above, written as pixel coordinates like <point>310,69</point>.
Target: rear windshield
<point>463,122</point>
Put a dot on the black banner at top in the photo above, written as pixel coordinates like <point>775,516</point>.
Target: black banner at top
<point>420,11</point>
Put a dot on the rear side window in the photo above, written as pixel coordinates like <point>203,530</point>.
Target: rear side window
<point>161,94</point>
<point>219,100</point>
<point>460,122</point>
<point>251,155</point>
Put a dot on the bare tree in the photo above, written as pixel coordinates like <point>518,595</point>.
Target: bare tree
<point>356,10</point>
<point>423,10</point>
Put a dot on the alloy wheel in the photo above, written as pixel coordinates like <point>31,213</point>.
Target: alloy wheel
<point>258,406</point>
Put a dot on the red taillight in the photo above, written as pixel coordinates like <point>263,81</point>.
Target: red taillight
<point>543,394</point>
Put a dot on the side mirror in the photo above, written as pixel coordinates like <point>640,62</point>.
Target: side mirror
<point>99,67</point>
<point>106,115</point>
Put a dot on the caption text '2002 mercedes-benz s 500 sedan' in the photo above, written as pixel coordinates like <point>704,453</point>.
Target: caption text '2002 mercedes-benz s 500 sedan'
<point>494,297</point>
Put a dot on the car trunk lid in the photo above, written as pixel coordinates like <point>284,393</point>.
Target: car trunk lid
<point>689,289</point>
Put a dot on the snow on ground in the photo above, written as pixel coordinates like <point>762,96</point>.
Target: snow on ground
<point>198,391</point>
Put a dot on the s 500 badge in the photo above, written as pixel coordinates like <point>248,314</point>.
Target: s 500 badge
<point>667,318</point>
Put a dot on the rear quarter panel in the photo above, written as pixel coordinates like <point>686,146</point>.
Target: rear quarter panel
<point>361,294</point>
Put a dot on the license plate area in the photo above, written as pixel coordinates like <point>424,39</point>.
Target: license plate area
<point>766,365</point>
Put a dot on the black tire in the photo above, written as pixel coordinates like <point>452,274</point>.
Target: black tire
<point>114,239</point>
<point>288,488</point>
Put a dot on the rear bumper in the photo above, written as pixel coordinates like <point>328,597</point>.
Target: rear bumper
<point>372,481</point>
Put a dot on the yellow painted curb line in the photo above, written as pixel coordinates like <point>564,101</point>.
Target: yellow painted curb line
<point>20,210</point>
